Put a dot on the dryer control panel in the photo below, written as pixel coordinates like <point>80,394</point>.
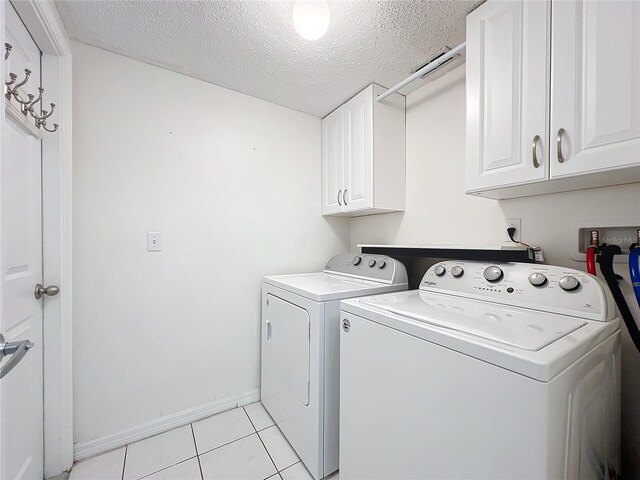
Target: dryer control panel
<point>369,267</point>
<point>546,288</point>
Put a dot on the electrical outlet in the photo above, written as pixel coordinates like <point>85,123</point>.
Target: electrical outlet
<point>515,223</point>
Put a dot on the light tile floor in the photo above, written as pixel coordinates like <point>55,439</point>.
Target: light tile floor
<point>241,444</point>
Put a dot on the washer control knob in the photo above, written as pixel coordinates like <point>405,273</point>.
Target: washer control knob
<point>492,273</point>
<point>537,279</point>
<point>457,271</point>
<point>381,264</point>
<point>357,260</point>
<point>569,283</point>
<point>372,262</point>
<point>440,270</point>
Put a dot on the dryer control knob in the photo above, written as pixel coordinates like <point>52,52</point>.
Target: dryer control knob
<point>537,279</point>
<point>357,260</point>
<point>457,271</point>
<point>569,283</point>
<point>381,264</point>
<point>372,262</point>
<point>492,273</point>
<point>440,270</point>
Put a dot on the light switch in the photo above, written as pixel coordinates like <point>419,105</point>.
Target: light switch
<point>154,242</point>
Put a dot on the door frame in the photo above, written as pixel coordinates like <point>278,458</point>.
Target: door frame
<point>43,22</point>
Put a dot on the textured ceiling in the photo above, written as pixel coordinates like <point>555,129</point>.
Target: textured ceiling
<point>252,46</point>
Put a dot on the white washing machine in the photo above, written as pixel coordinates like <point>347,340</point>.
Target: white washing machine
<point>492,371</point>
<point>300,349</point>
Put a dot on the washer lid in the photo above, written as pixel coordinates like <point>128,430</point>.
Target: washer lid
<point>323,287</point>
<point>520,328</point>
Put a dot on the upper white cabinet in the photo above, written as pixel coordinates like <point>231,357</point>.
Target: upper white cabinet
<point>507,93</point>
<point>553,102</point>
<point>363,155</point>
<point>595,101</point>
<point>332,163</point>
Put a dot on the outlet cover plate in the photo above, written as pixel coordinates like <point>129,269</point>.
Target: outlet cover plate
<point>517,224</point>
<point>154,242</point>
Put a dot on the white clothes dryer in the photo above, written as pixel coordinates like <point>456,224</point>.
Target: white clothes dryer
<point>300,349</point>
<point>488,371</point>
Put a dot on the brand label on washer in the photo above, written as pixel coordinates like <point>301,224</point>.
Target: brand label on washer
<point>346,326</point>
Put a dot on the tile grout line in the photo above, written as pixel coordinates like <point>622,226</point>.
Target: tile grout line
<point>254,427</point>
<point>289,466</point>
<point>256,431</point>
<point>263,445</point>
<point>168,467</point>
<point>193,433</point>
<point>250,421</point>
<point>262,430</point>
<point>173,464</point>
<point>124,461</point>
<point>293,464</point>
<point>225,444</point>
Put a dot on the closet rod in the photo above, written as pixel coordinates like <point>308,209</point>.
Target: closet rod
<point>429,67</point>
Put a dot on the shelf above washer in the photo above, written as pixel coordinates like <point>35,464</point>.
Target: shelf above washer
<point>489,253</point>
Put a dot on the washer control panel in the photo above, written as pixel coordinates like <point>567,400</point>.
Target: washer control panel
<point>367,266</point>
<point>541,287</point>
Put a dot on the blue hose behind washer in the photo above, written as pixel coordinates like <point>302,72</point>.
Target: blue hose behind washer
<point>634,271</point>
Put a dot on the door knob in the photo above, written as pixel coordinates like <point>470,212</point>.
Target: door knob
<point>50,291</point>
<point>17,349</point>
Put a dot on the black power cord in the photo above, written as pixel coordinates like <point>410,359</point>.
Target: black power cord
<point>605,259</point>
<point>511,231</point>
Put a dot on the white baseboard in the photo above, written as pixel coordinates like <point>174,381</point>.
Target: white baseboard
<point>154,427</point>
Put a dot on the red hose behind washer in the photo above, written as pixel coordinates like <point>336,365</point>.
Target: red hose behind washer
<point>591,260</point>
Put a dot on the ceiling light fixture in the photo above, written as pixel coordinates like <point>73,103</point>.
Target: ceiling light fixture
<point>311,18</point>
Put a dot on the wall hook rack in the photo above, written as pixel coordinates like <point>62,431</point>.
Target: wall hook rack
<point>40,120</point>
<point>45,114</point>
<point>12,79</point>
<point>28,105</point>
<point>44,125</point>
<point>14,89</point>
<point>37,100</point>
<point>24,104</point>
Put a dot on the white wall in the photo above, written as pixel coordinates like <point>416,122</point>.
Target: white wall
<point>233,185</point>
<point>438,211</point>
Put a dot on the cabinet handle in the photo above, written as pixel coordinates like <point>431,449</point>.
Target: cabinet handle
<point>534,149</point>
<point>339,192</point>
<point>344,196</point>
<point>559,144</point>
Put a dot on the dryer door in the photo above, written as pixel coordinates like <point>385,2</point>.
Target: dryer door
<point>286,351</point>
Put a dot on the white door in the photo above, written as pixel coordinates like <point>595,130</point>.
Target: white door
<point>332,163</point>
<point>21,404</point>
<point>507,94</point>
<point>358,151</point>
<point>595,96</point>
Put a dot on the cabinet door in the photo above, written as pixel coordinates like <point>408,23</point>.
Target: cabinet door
<point>332,163</point>
<point>507,94</point>
<point>358,151</point>
<point>595,96</point>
